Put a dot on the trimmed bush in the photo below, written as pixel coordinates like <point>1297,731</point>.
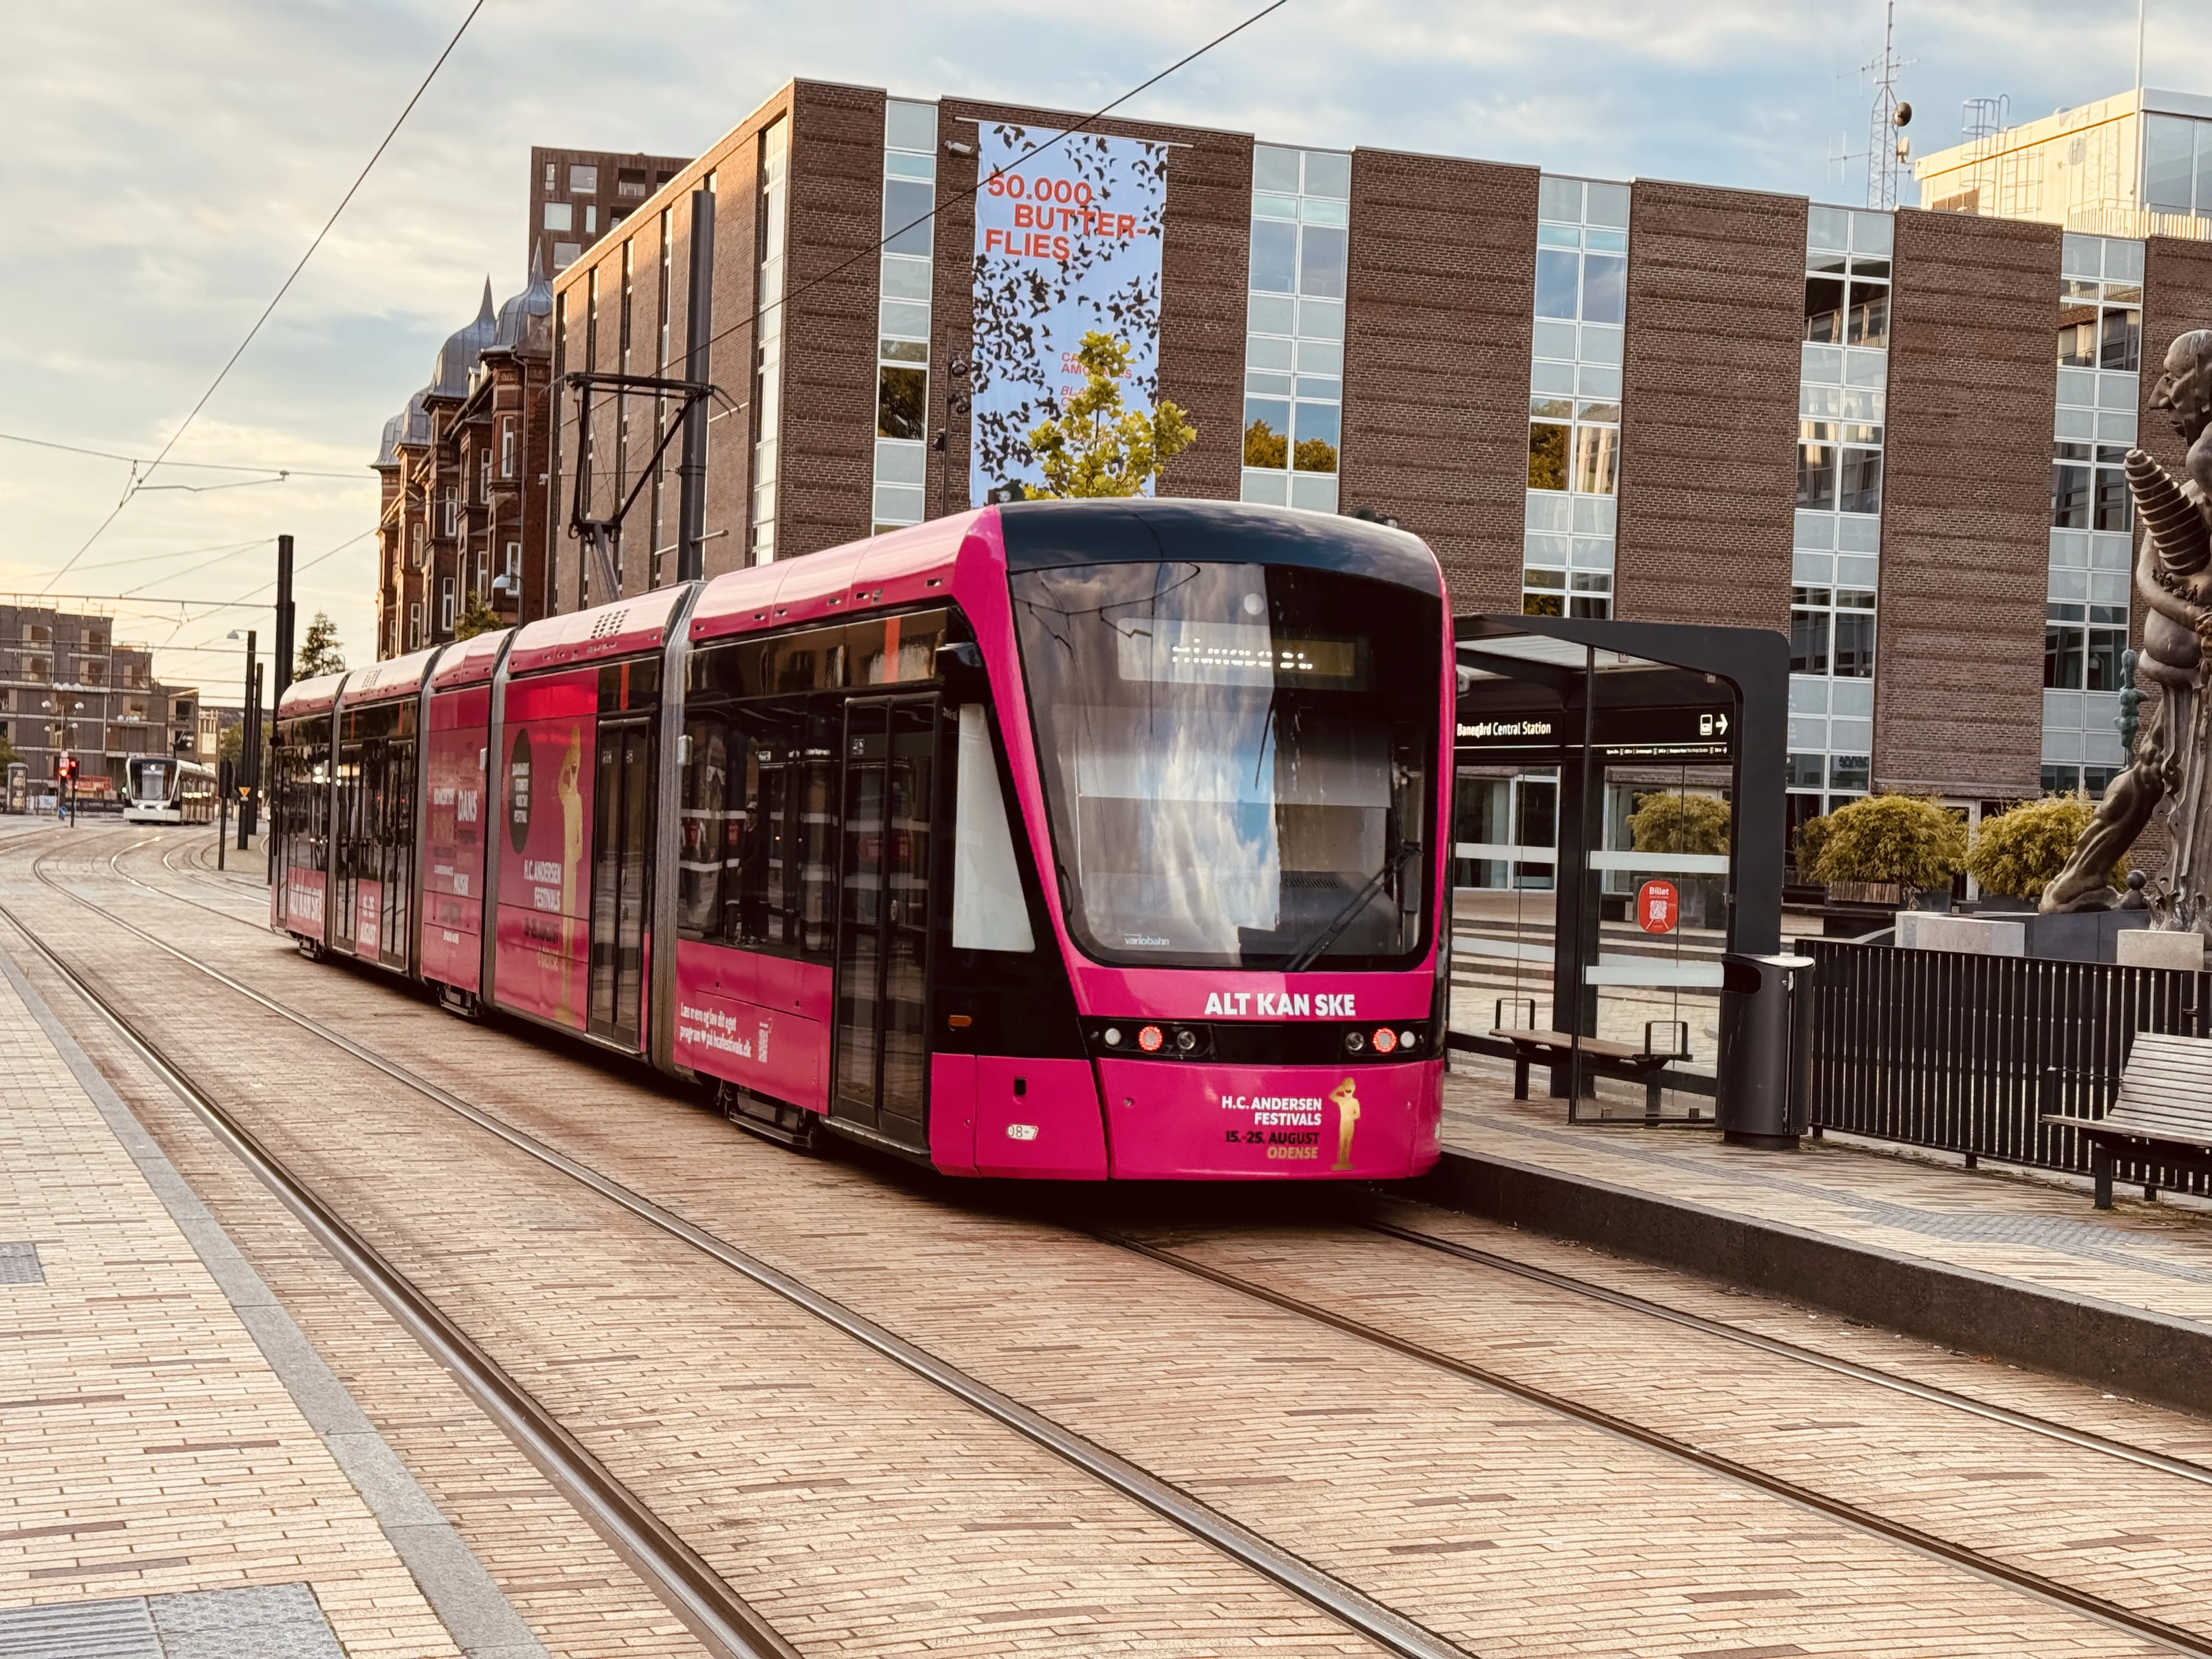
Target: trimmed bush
<point>2019,851</point>
<point>1906,839</point>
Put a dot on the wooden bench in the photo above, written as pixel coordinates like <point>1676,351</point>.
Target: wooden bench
<point>2162,1114</point>
<point>1556,1049</point>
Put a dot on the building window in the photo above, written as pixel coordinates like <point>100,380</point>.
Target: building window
<point>583,180</point>
<point>507,447</point>
<point>559,216</point>
<point>483,478</point>
<point>449,500</point>
<point>1842,393</point>
<point>551,173</point>
<point>1294,327</point>
<point>415,626</point>
<point>2177,165</point>
<point>591,219</point>
<point>1574,398</point>
<point>415,539</point>
<point>633,181</point>
<point>2099,356</point>
<point>903,314</point>
<point>767,367</point>
<point>566,254</point>
<point>513,569</point>
<point>445,605</point>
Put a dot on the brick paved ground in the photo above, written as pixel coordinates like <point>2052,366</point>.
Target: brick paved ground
<point>863,1511</point>
<point>1506,1529</point>
<point>146,1446</point>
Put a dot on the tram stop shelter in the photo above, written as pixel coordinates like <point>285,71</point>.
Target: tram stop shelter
<point>1619,839</point>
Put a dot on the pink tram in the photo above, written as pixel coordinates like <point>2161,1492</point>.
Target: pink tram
<point>1057,840</point>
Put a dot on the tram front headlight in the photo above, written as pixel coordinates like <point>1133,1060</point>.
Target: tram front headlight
<point>1354,1043</point>
<point>1112,1036</point>
<point>1186,1040</point>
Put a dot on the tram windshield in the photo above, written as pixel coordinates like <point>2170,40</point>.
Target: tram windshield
<point>1239,760</point>
<point>148,781</point>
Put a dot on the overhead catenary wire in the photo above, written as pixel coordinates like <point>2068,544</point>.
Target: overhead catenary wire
<point>198,466</point>
<point>975,189</point>
<point>231,362</point>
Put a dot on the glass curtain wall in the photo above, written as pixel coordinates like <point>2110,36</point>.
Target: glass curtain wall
<point>768,369</point>
<point>902,341</point>
<point>1574,397</point>
<point>1835,571</point>
<point>1294,340</point>
<point>2092,518</point>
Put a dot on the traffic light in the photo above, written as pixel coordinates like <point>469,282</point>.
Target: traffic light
<point>65,767</point>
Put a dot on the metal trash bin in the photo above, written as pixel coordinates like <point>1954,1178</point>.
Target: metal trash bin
<point>1766,1069</point>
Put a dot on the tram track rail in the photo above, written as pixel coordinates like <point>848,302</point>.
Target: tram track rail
<point>1390,1630</point>
<point>723,1621</point>
<point>2041,1585</point>
<point>1393,1629</point>
<point>2181,1468</point>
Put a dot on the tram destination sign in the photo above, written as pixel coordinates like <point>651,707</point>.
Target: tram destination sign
<point>1546,736</point>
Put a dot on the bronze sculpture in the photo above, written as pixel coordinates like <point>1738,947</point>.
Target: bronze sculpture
<point>2171,764</point>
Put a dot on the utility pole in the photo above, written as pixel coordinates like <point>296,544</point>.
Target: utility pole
<point>248,744</point>
<point>284,617</point>
<point>698,330</point>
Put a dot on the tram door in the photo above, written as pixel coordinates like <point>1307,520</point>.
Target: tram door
<point>622,864</point>
<point>884,915</point>
<point>340,910</point>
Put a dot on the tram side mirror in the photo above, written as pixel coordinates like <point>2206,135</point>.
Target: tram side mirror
<point>960,666</point>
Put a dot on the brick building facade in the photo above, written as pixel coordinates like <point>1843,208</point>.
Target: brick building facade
<point>67,686</point>
<point>1653,400</point>
<point>463,471</point>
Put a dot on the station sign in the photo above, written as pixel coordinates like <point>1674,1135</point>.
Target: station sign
<point>1546,736</point>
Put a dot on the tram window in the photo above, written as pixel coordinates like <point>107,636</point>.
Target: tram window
<point>703,809</point>
<point>988,910</point>
<point>628,685</point>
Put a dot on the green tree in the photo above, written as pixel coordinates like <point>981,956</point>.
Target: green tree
<point>477,617</point>
<point>319,652</point>
<point>1095,447</point>
<point>9,756</point>
<point>1915,842</point>
<point>1669,822</point>
<point>2018,852</point>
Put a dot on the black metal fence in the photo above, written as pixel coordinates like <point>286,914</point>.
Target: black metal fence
<point>1970,1054</point>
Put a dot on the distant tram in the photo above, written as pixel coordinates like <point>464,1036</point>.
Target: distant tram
<point>1059,839</point>
<point>162,790</point>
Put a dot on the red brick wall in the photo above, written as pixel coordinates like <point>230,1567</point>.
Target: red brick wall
<point>1202,260</point>
<point>1436,369</point>
<point>1708,455</point>
<point>826,465</point>
<point>1966,506</point>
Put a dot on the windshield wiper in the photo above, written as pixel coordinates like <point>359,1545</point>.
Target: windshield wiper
<point>1352,912</point>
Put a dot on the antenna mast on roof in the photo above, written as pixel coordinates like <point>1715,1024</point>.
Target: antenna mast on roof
<point>1886,144</point>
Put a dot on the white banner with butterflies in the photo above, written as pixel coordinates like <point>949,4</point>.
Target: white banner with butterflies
<point>1065,243</point>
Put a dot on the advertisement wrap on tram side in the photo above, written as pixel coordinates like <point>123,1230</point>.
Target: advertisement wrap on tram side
<point>544,899</point>
<point>367,917</point>
<point>303,902</point>
<point>453,855</point>
<point>760,1022</point>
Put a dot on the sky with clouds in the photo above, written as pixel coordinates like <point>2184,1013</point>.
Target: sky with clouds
<point>165,165</point>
